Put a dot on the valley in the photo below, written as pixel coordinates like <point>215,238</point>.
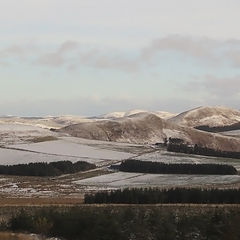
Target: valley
<point>31,140</point>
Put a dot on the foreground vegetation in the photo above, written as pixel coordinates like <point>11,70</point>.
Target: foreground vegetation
<point>46,169</point>
<point>130,222</point>
<point>174,195</point>
<point>176,168</point>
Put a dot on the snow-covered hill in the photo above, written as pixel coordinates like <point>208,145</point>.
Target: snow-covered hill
<point>147,128</point>
<point>207,116</point>
<point>137,126</point>
<point>45,122</point>
<point>66,120</point>
<point>115,115</point>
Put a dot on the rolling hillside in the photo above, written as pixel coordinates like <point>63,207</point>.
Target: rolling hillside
<point>208,116</point>
<point>147,128</point>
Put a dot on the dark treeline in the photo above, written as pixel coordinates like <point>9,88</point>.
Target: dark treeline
<point>175,195</point>
<point>130,222</point>
<point>45,169</point>
<point>235,126</point>
<point>198,150</point>
<point>176,168</point>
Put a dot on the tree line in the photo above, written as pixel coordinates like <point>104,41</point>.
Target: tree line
<point>128,223</point>
<point>235,126</point>
<point>173,195</point>
<point>131,165</point>
<point>181,147</point>
<point>46,169</point>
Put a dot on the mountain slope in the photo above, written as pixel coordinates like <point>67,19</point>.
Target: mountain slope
<point>207,116</point>
<point>115,115</point>
<point>148,128</point>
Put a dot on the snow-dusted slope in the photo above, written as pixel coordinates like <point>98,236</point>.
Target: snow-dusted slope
<point>115,115</point>
<point>45,122</point>
<point>164,115</point>
<point>148,128</point>
<point>207,116</point>
<point>139,128</point>
<point>66,120</point>
<point>112,115</point>
<point>135,111</point>
<point>13,133</point>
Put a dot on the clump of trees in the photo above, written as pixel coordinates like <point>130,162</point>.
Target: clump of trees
<point>180,146</point>
<point>46,169</point>
<point>174,195</point>
<point>206,128</point>
<point>175,168</point>
<point>130,222</point>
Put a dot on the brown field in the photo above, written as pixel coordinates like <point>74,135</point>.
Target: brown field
<point>40,201</point>
<point>17,236</point>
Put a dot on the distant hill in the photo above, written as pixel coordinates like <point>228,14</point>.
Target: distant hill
<point>115,115</point>
<point>147,128</point>
<point>214,119</point>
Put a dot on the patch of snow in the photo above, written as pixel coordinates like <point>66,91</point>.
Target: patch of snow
<point>129,180</point>
<point>164,115</point>
<point>66,148</point>
<point>13,133</point>
<point>232,133</point>
<point>113,115</point>
<point>135,111</point>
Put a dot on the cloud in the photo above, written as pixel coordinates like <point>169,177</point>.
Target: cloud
<point>98,59</point>
<point>234,57</point>
<point>18,51</point>
<point>195,47</point>
<point>72,54</point>
<point>206,50</point>
<point>222,87</point>
<point>59,57</point>
<point>213,90</point>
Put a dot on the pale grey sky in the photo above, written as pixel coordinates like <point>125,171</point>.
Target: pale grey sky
<point>88,57</point>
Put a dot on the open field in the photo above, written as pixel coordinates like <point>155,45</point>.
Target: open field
<point>103,154</point>
<point>24,144</point>
<point>132,180</point>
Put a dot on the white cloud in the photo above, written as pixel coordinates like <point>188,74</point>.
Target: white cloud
<point>72,54</point>
<point>223,87</point>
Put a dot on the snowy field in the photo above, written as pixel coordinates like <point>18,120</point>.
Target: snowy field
<point>64,147</point>
<point>129,180</point>
<point>59,150</point>
<point>20,133</point>
<point>11,157</point>
<point>16,147</point>
<point>235,133</point>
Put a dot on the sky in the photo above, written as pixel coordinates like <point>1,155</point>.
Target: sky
<point>89,57</point>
